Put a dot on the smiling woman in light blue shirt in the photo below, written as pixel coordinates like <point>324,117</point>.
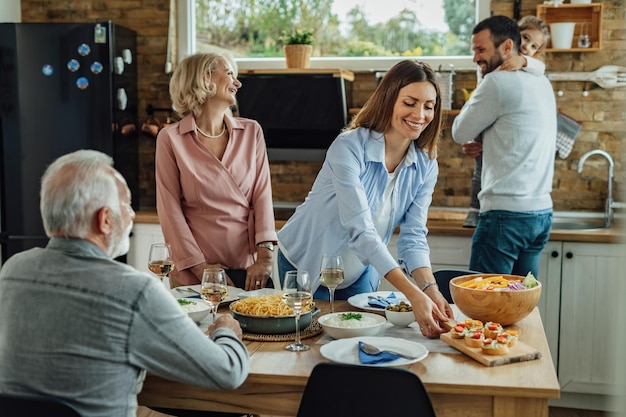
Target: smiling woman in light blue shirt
<point>378,174</point>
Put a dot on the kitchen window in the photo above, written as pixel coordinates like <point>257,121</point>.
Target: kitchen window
<point>422,9</point>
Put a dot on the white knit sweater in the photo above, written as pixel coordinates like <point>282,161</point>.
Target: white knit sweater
<point>516,113</point>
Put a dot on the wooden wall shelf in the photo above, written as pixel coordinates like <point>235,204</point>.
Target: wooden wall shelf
<point>588,14</point>
<point>335,72</point>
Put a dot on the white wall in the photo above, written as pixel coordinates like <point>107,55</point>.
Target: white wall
<point>10,11</point>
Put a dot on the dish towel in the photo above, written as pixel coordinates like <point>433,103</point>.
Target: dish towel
<point>367,359</point>
<point>566,131</point>
<point>382,302</point>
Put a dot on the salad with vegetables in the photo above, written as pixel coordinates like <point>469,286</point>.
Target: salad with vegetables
<point>499,283</point>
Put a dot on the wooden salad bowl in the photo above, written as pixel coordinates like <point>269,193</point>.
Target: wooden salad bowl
<point>504,307</point>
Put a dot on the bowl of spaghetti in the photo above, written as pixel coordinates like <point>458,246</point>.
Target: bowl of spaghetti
<point>267,314</point>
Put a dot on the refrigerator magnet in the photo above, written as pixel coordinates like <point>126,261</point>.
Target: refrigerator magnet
<point>100,34</point>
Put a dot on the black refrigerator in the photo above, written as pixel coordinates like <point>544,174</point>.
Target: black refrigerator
<point>63,87</point>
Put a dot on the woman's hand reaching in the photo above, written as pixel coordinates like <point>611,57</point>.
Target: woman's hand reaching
<point>429,307</point>
<point>428,315</point>
<point>440,301</point>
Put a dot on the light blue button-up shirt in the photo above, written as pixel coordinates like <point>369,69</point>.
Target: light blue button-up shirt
<point>338,211</point>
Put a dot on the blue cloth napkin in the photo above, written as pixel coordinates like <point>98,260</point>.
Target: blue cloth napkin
<point>367,359</point>
<point>378,303</point>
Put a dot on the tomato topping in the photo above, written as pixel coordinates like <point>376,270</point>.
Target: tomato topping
<point>493,326</point>
<point>487,341</point>
<point>476,335</point>
<point>459,329</point>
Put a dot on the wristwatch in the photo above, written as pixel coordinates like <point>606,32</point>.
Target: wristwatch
<point>268,245</point>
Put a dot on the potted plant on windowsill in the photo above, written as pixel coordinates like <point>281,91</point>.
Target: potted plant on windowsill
<point>298,48</point>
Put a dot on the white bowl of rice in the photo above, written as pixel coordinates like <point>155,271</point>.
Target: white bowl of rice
<point>196,308</point>
<point>351,324</point>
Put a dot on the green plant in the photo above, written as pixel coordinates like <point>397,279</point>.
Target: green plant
<point>298,37</point>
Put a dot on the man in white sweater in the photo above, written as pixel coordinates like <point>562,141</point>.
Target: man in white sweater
<point>515,111</point>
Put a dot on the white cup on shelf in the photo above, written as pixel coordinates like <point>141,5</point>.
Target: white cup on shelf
<point>562,34</point>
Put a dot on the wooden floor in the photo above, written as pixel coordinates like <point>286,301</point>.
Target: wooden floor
<point>554,412</point>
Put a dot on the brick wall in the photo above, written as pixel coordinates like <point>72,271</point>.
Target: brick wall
<point>601,112</point>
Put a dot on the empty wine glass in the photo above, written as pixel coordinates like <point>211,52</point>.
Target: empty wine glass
<point>297,295</point>
<point>331,275</point>
<point>160,261</point>
<point>214,288</point>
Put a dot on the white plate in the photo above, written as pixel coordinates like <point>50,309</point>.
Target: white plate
<point>233,292</point>
<point>347,350</point>
<point>258,293</point>
<point>361,300</point>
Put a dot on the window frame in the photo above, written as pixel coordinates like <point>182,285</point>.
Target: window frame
<point>187,44</point>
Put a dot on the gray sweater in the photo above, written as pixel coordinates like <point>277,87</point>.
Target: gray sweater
<point>516,113</point>
<point>81,327</point>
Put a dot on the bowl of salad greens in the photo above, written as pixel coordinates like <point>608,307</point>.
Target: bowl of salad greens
<point>499,298</point>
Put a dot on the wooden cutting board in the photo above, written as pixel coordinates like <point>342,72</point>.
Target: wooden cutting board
<point>518,353</point>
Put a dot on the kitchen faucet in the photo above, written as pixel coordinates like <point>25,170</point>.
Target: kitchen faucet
<point>610,204</point>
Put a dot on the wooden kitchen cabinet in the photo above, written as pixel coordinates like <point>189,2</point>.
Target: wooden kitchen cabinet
<point>549,303</point>
<point>591,291</point>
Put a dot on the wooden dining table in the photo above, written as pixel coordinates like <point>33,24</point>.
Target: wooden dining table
<point>457,384</point>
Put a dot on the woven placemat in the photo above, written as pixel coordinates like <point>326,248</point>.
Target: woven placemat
<point>311,330</point>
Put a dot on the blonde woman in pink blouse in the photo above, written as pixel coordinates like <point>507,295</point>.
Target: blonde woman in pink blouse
<point>214,196</point>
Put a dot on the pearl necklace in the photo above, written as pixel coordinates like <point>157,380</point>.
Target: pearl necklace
<point>209,136</point>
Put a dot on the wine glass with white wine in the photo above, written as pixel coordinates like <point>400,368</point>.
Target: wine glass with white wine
<point>160,261</point>
<point>214,288</point>
<point>297,295</point>
<point>331,275</point>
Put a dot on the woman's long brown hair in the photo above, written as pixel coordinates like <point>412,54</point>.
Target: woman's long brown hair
<point>376,113</point>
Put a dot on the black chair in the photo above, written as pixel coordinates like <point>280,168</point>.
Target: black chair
<point>443,277</point>
<point>14,406</point>
<point>340,390</point>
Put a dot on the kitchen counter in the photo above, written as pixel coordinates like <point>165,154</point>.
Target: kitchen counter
<point>442,222</point>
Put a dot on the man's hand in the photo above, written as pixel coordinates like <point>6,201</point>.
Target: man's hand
<point>227,321</point>
<point>473,149</point>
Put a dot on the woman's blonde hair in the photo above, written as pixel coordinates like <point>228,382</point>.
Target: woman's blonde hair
<point>533,22</point>
<point>191,82</point>
<point>377,112</point>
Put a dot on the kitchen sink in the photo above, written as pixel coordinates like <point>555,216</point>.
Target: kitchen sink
<point>577,223</point>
